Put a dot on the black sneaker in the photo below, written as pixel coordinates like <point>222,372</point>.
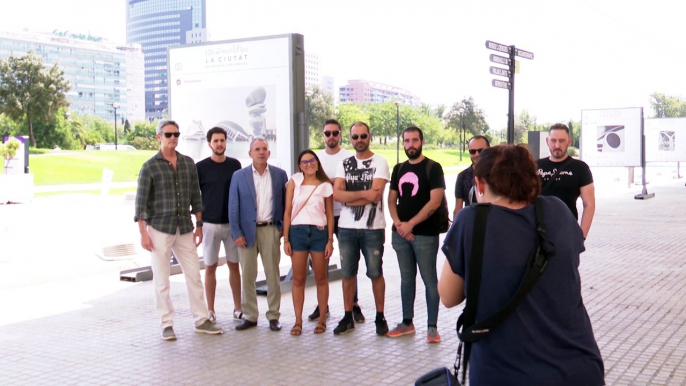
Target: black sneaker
<point>381,327</point>
<point>344,327</point>
<point>315,315</point>
<point>357,314</point>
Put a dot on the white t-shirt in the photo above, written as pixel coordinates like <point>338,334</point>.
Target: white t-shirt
<point>358,175</point>
<point>330,164</point>
<point>314,212</point>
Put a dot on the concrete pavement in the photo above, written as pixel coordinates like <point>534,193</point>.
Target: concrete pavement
<point>86,327</point>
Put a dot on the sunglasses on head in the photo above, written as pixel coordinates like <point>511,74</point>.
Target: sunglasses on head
<point>169,135</point>
<point>310,161</point>
<point>330,133</point>
<point>474,151</point>
<point>361,136</point>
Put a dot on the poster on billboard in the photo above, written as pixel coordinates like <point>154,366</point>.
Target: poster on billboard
<point>611,137</point>
<point>249,87</point>
<point>17,164</point>
<point>665,139</point>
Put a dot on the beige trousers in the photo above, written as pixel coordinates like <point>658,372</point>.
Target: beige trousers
<point>268,246</point>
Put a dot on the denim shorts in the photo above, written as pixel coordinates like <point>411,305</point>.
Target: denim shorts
<point>308,238</point>
<point>368,241</point>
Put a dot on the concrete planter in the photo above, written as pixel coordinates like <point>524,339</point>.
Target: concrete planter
<point>16,188</point>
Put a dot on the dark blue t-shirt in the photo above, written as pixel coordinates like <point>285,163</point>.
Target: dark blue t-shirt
<point>548,339</point>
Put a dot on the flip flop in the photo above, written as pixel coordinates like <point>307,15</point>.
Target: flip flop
<point>320,328</point>
<point>297,329</point>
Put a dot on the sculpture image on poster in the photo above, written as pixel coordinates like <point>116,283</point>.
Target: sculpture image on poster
<point>666,142</point>
<point>662,139</point>
<point>611,137</point>
<point>244,112</point>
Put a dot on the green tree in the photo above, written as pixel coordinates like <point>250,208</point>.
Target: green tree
<point>467,118</point>
<point>319,109</point>
<point>382,119</point>
<point>8,150</point>
<point>30,90</point>
<point>665,106</point>
<point>142,136</point>
<point>347,114</point>
<point>7,127</point>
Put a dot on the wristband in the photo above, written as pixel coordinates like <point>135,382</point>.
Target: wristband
<point>198,224</point>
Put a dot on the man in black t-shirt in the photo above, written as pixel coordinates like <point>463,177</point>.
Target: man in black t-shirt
<point>465,192</point>
<point>413,201</point>
<point>567,178</point>
<point>214,175</point>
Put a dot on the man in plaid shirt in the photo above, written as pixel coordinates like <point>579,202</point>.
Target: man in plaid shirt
<point>167,188</point>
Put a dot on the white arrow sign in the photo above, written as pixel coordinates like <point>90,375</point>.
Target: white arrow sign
<point>501,84</point>
<point>500,71</point>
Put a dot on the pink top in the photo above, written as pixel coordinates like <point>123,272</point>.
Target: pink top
<point>314,212</point>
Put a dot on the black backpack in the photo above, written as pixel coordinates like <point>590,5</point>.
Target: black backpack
<point>442,211</point>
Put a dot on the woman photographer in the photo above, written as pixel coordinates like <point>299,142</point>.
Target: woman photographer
<point>548,338</point>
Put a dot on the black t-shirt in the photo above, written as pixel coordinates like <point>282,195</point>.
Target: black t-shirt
<point>464,186</point>
<point>569,176</point>
<point>415,192</point>
<point>215,179</point>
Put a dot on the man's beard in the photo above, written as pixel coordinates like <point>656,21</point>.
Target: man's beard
<point>332,145</point>
<point>417,153</point>
<point>218,153</point>
<point>366,146</point>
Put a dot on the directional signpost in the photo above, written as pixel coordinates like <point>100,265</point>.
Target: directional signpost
<point>509,73</point>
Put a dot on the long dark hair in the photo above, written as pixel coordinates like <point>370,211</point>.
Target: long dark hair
<point>320,174</point>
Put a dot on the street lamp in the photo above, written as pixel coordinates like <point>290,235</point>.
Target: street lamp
<point>397,132</point>
<point>115,106</point>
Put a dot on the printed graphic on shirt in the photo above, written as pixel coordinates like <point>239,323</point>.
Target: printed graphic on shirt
<point>359,179</point>
<point>409,178</point>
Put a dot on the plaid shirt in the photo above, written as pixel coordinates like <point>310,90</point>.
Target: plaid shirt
<point>165,194</point>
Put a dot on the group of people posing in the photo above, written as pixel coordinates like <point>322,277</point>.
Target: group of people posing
<point>252,210</point>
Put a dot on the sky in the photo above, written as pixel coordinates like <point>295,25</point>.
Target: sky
<point>588,54</point>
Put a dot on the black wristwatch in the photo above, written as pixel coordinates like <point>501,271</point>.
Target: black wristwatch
<point>198,224</point>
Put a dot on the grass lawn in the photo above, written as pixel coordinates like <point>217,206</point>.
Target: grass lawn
<point>83,167</point>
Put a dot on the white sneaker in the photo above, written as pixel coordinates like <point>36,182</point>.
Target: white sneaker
<point>212,317</point>
<point>238,315</point>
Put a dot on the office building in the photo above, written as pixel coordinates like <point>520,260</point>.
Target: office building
<point>363,91</point>
<point>156,25</point>
<point>100,73</point>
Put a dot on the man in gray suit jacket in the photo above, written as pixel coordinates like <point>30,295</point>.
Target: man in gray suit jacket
<point>256,202</point>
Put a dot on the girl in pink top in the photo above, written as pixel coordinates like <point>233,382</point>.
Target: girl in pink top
<point>308,229</point>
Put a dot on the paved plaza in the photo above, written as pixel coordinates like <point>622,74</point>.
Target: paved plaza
<point>67,319</point>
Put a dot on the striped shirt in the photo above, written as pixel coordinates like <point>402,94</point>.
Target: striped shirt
<point>165,194</point>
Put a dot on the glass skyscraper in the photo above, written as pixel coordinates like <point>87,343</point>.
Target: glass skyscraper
<point>156,25</point>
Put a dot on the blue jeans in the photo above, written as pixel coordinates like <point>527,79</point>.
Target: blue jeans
<point>368,241</point>
<point>421,252</point>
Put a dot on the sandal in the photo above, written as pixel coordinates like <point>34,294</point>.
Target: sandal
<point>320,328</point>
<point>297,329</point>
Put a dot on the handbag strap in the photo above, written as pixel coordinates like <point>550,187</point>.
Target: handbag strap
<point>305,203</point>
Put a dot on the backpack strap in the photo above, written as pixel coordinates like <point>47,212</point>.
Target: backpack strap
<point>468,316</point>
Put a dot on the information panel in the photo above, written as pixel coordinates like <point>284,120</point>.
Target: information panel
<point>665,139</point>
<point>611,137</point>
<point>248,87</point>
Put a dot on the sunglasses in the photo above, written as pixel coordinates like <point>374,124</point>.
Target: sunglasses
<point>330,133</point>
<point>474,151</point>
<point>361,136</point>
<point>169,135</point>
<point>310,161</point>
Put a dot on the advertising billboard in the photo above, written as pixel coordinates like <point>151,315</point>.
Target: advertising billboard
<point>665,139</point>
<point>249,87</point>
<point>611,137</point>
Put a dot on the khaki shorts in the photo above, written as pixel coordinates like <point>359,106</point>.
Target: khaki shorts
<point>212,236</point>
